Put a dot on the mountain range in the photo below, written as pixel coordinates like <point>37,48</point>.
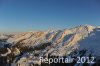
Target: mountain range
<point>24,49</point>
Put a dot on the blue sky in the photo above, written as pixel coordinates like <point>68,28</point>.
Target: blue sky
<point>28,15</point>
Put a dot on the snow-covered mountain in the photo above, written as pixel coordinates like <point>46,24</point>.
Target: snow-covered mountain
<point>80,41</point>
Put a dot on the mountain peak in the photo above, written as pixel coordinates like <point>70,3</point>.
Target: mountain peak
<point>90,28</point>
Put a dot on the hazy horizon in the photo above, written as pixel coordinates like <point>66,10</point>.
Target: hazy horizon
<point>30,15</point>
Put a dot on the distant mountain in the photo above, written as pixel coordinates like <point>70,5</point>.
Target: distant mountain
<point>80,41</point>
